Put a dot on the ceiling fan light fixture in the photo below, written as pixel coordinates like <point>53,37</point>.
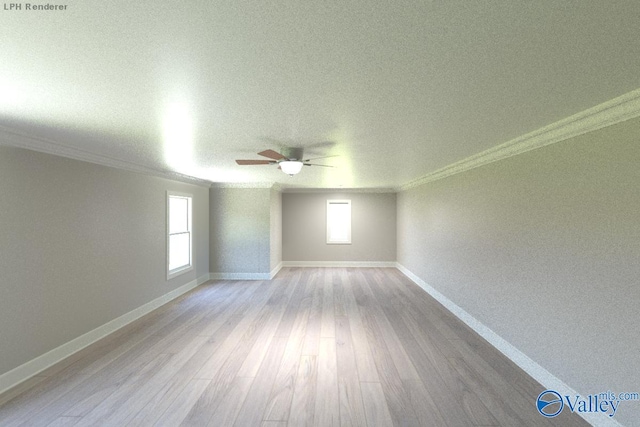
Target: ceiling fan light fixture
<point>290,167</point>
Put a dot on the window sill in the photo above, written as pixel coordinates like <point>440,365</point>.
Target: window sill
<point>178,271</point>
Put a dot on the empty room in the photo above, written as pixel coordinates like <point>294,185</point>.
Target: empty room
<point>330,213</point>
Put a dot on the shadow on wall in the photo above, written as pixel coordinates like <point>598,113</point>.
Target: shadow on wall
<point>239,230</point>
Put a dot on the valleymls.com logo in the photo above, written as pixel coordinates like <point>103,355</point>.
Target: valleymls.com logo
<point>550,403</point>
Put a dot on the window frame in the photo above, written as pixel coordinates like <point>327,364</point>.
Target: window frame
<point>339,202</point>
<point>187,267</point>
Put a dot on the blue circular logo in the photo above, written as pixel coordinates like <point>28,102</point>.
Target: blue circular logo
<point>549,403</point>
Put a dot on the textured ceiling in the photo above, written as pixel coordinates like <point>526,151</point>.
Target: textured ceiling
<point>395,89</point>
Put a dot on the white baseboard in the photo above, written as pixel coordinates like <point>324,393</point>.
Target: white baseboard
<point>339,264</point>
<point>240,276</point>
<point>276,270</point>
<point>23,372</point>
<point>537,372</point>
<point>272,274</point>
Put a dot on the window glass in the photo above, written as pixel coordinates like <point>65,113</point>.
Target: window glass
<point>179,214</point>
<point>179,234</point>
<point>339,221</point>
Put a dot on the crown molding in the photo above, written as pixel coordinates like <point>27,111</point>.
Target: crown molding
<point>615,111</point>
<point>248,185</point>
<point>338,190</point>
<point>287,189</point>
<point>13,138</point>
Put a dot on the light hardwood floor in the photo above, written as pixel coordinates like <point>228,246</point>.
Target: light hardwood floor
<point>313,347</point>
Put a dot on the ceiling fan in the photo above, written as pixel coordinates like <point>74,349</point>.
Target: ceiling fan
<point>290,164</point>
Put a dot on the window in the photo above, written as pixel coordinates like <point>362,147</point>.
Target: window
<point>339,222</point>
<point>179,234</point>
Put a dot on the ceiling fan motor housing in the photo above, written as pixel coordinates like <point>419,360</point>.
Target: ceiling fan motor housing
<point>292,153</point>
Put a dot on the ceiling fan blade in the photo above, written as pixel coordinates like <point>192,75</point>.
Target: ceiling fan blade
<point>323,157</point>
<point>272,154</point>
<point>314,164</point>
<point>255,162</point>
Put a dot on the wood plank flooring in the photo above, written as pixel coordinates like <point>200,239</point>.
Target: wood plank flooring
<point>313,347</point>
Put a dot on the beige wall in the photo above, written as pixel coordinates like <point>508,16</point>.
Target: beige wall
<point>80,245</point>
<point>240,234</point>
<point>544,249</point>
<point>275,216</point>
<point>304,227</point>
